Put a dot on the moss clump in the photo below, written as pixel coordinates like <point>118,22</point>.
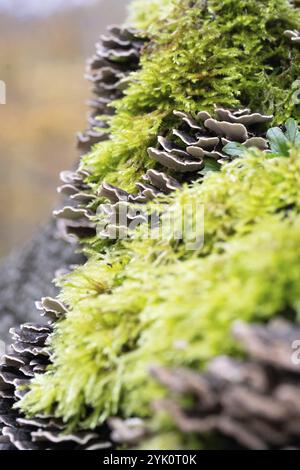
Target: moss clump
<point>231,53</point>
<point>126,310</point>
<point>147,300</point>
<point>146,13</point>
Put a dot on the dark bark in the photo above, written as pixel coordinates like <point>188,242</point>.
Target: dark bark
<point>26,276</point>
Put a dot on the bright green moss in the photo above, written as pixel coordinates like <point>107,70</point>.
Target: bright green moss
<point>142,301</point>
<point>146,13</point>
<point>233,54</point>
<point>123,159</point>
<point>128,312</point>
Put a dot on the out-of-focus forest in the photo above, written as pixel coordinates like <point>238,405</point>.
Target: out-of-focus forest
<point>42,59</point>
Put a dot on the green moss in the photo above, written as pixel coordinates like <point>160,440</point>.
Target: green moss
<point>233,54</point>
<point>143,300</point>
<point>146,13</point>
<point>123,159</point>
<point>127,310</point>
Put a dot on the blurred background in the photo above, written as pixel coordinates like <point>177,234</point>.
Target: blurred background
<point>43,48</point>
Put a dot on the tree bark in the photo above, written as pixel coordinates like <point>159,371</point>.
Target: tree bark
<point>27,274</point>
